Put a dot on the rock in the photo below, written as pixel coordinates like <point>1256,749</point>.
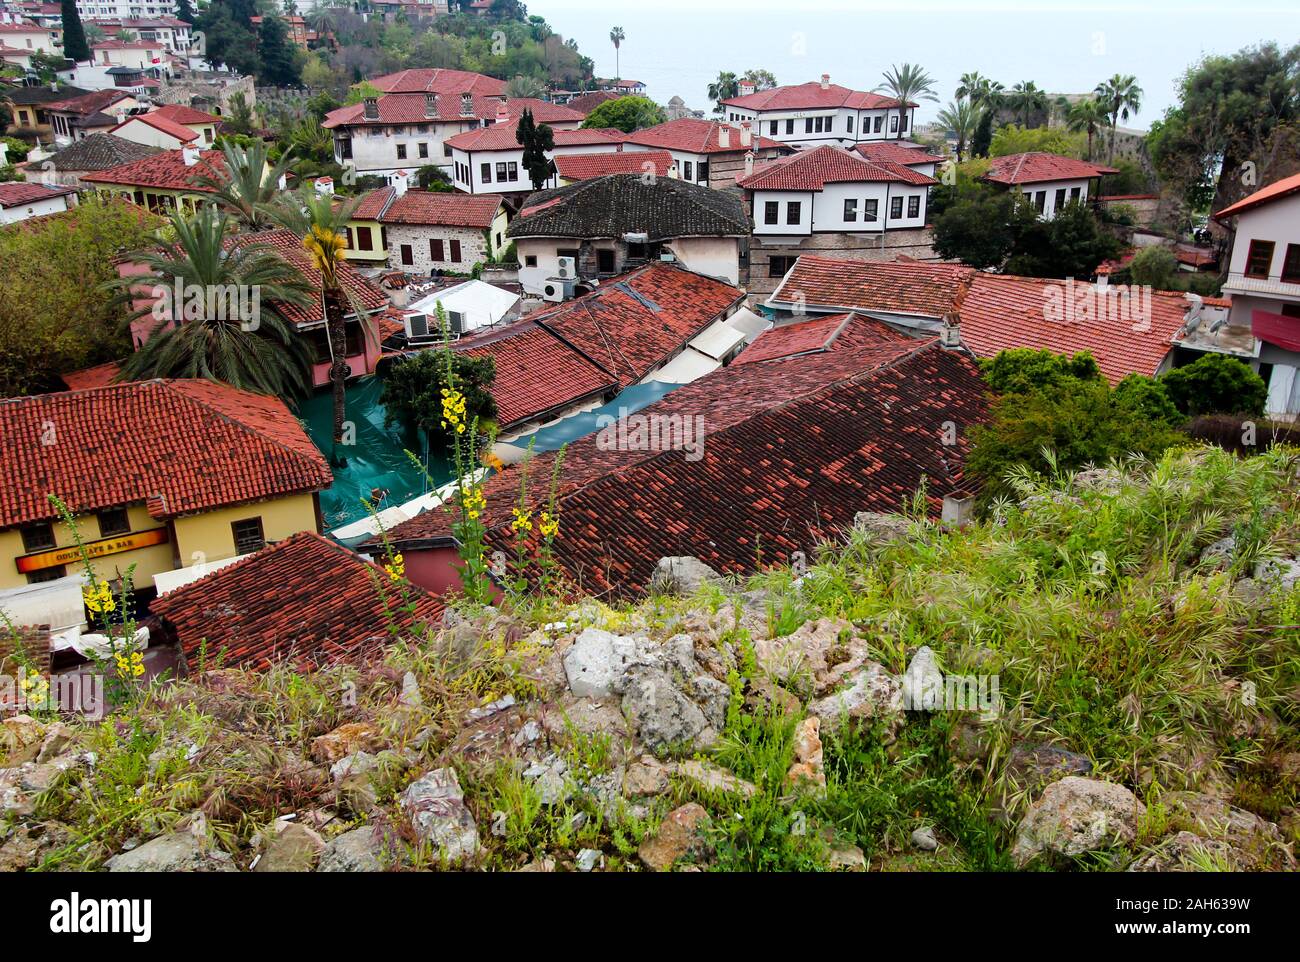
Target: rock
<point>712,696</point>
<point>1077,815</point>
<point>491,708</point>
<point>1280,573</point>
<point>645,777</point>
<point>803,657</point>
<point>411,696</point>
<point>923,838</point>
<point>354,851</point>
<point>1218,556</point>
<point>881,527</point>
<point>57,738</point>
<point>680,834</point>
<point>597,660</point>
<point>682,575</point>
<point>291,848</point>
<point>872,693</point>
<point>20,739</point>
<point>436,808</point>
<point>1185,852</point>
<point>588,859</point>
<point>548,778</point>
<point>711,778</point>
<point>346,740</point>
<point>528,733</point>
<point>175,852</point>
<point>539,865</point>
<point>1034,767</point>
<point>846,858</point>
<point>922,683</point>
<point>20,851</point>
<point>1257,843</point>
<point>358,763</point>
<point>807,767</point>
<point>660,712</point>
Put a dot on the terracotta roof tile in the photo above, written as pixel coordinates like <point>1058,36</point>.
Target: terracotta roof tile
<point>374,203</point>
<point>181,114</point>
<point>289,246</point>
<point>164,124</point>
<point>443,209</point>
<point>178,446</point>
<point>814,169</point>
<point>99,151</point>
<point>166,170</point>
<point>1036,167</point>
<point>305,601</point>
<point>16,193</point>
<point>440,79</point>
<point>903,287</point>
<point>575,167</point>
<point>806,337</point>
<point>891,151</point>
<point>810,96</point>
<point>410,108</point>
<point>698,137</point>
<point>504,137</point>
<point>1275,191</point>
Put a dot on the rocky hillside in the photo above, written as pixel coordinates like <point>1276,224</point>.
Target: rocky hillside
<point>1103,676</point>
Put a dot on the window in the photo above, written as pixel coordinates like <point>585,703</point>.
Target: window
<point>38,537</point>
<point>1259,258</point>
<point>365,241</point>
<point>1040,201</point>
<point>513,168</point>
<point>1074,193</point>
<point>401,151</point>
<point>248,535</point>
<point>636,252</point>
<point>47,574</point>
<point>435,250</point>
<point>870,211</point>
<point>914,206</point>
<point>498,242</point>
<point>850,209</point>
<point>880,120</point>
<point>807,125</point>
<point>605,262</point>
<point>849,121</point>
<point>895,207</point>
<point>423,149</point>
<point>702,171</point>
<point>455,252</point>
<point>501,171</point>
<point>789,126</point>
<point>530,260</point>
<point>771,211</point>
<point>771,128</point>
<point>778,266</point>
<point>408,258</point>
<point>893,124</point>
<point>446,150</point>
<point>1291,264</point>
<point>904,123</point>
<point>1060,198</point>
<point>114,522</point>
<point>793,211</point>
<point>485,173</point>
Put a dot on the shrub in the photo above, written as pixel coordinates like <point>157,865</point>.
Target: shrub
<point>1216,384</point>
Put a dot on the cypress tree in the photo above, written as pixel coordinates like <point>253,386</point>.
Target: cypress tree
<point>536,140</point>
<point>74,35</point>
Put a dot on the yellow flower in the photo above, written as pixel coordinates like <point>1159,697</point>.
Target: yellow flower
<point>547,525</point>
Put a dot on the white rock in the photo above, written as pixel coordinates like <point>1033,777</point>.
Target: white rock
<point>588,859</point>
<point>435,805</point>
<point>597,659</point>
<point>923,682</point>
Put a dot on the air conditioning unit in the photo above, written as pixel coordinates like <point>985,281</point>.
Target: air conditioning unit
<point>418,328</point>
<point>558,288</point>
<point>566,267</point>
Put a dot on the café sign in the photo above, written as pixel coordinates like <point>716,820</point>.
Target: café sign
<point>95,549</point>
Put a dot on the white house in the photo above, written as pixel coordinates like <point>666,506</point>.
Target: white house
<point>111,10</point>
<point>490,160</point>
<point>408,130</point>
<point>813,114</point>
<point>1049,181</point>
<point>1264,281</point>
<point>707,152</point>
<point>20,200</point>
<point>32,37</point>
<point>906,153</point>
<point>154,130</point>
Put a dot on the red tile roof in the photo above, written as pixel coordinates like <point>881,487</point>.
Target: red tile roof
<point>1036,167</point>
<point>179,113</point>
<point>1274,191</point>
<point>164,124</point>
<point>165,171</point>
<point>586,103</point>
<point>891,151</point>
<point>127,45</point>
<point>305,601</point>
<point>503,137</point>
<point>16,193</point>
<point>443,209</point>
<point>814,169</point>
<point>997,311</point>
<point>438,79</point>
<point>806,337</point>
<point>180,447</point>
<point>575,167</point>
<point>289,246</point>
<point>698,137</point>
<point>87,104</point>
<point>373,204</point>
<point>101,375</point>
<point>811,96</point>
<point>409,108</point>
<point>795,448</point>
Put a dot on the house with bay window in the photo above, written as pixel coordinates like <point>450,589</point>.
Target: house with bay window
<point>819,113</point>
<point>1264,282</point>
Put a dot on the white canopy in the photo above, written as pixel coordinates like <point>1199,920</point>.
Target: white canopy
<point>688,366</point>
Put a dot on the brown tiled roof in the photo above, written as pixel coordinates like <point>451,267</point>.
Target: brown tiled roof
<point>586,103</point>
<point>698,137</point>
<point>807,337</point>
<point>901,287</point>
<point>165,171</point>
<point>1275,191</point>
<point>1038,166</point>
<point>410,108</point>
<point>443,209</point>
<point>165,124</point>
<point>305,601</point>
<point>179,447</point>
<point>814,169</point>
<point>811,96</point>
<point>84,105</point>
<point>794,448</point>
<point>577,167</point>
<point>181,114</point>
<point>18,192</point>
<point>895,153</point>
<point>98,152</point>
<point>440,79</point>
<point>374,203</point>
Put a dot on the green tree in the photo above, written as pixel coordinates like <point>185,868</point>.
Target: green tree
<point>1071,244</point>
<point>981,229</point>
<point>229,39</point>
<point>261,353</point>
<point>1025,99</point>
<point>56,321</point>
<point>761,79</point>
<point>983,137</point>
<point>616,37</point>
<point>626,114</point>
<point>277,57</point>
<point>1147,397</point>
<point>908,83</point>
<point>1119,95</point>
<point>1087,117</point>
<point>537,141</point>
<point>247,183</point>
<point>724,88</point>
<point>74,35</point>
<point>1153,266</point>
<point>1021,370</point>
<point>959,119</point>
<point>413,386</point>
<point>432,178</point>
<point>316,72</point>
<point>1012,139</point>
<point>1216,384</point>
<point>185,11</point>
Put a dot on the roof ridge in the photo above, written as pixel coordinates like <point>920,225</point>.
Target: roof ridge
<point>244,426</point>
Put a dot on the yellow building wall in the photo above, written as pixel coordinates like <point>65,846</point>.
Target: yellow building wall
<point>148,561</point>
<point>209,537</point>
<point>498,228</point>
<point>379,253</point>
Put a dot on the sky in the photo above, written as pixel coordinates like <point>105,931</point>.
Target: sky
<point>679,46</point>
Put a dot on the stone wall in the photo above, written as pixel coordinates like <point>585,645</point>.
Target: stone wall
<point>915,244</point>
<point>211,92</point>
<point>473,248</point>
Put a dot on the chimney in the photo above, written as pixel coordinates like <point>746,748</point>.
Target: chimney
<point>672,170</point>
<point>399,183</point>
<point>749,162</point>
<point>190,155</point>
<point>826,81</point>
<point>746,135</point>
<point>958,509</point>
<point>370,108</point>
<point>431,105</point>
<point>724,135</point>
<point>324,186</point>
<point>503,112</point>
<point>745,88</point>
<point>950,332</point>
<point>467,104</point>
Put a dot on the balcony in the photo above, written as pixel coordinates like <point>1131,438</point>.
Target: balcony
<point>1272,286</point>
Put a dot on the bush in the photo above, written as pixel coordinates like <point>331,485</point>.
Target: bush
<point>1021,370</point>
<point>1154,267</point>
<point>626,114</point>
<point>412,392</point>
<point>1240,435</point>
<point>1216,384</point>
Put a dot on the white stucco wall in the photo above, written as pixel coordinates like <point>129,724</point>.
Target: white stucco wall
<point>1051,187</point>
<point>51,205</point>
<point>712,256</point>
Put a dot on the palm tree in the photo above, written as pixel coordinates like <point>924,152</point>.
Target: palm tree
<point>727,85</point>
<point>1118,96</point>
<point>959,118</point>
<point>1088,116</point>
<point>322,225</point>
<point>1025,98</point>
<point>249,184</point>
<point>971,86</point>
<point>906,84</point>
<point>322,19</point>
<point>616,37</point>
<point>205,337</point>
